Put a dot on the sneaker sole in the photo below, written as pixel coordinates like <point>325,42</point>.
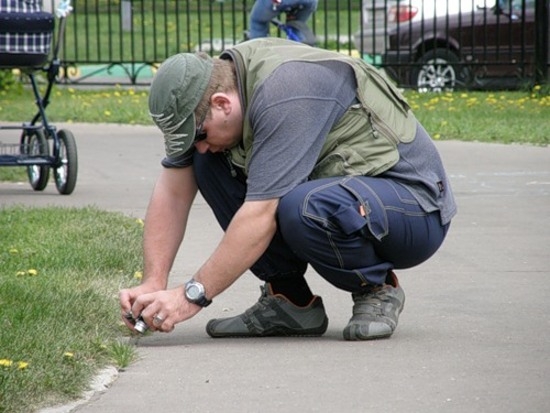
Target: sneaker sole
<point>350,332</point>
<point>278,331</point>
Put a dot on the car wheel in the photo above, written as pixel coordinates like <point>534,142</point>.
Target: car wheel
<point>439,71</point>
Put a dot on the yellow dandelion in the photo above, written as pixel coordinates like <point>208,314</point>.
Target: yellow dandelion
<point>68,355</point>
<point>437,136</point>
<point>20,273</point>
<point>140,222</point>
<point>22,365</point>
<point>13,251</point>
<point>138,275</point>
<point>32,272</point>
<point>5,363</point>
<point>107,113</point>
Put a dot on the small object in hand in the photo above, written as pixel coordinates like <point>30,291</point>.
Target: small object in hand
<point>140,326</point>
<point>130,317</point>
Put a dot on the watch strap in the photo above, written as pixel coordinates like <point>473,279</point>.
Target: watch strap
<point>203,301</point>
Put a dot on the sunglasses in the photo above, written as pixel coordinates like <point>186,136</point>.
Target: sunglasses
<point>200,135</point>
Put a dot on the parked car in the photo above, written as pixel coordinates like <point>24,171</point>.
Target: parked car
<point>491,46</point>
<point>379,17</point>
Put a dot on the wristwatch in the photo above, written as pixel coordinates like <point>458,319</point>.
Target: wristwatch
<point>194,293</point>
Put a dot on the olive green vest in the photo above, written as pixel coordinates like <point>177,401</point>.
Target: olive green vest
<point>364,141</point>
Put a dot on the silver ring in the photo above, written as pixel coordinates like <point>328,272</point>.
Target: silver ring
<point>158,320</point>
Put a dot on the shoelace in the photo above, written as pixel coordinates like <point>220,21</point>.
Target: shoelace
<point>263,302</point>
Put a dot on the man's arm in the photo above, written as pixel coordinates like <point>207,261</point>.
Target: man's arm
<point>245,240</point>
<point>165,224</point>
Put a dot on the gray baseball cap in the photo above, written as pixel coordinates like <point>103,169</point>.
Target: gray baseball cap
<point>176,90</point>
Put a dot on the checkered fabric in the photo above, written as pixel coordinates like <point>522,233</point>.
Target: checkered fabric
<point>22,6</point>
<point>24,28</point>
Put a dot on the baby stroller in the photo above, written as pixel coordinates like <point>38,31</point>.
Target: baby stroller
<point>26,36</point>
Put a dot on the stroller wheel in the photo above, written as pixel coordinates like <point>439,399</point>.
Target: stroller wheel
<point>66,168</point>
<point>34,143</point>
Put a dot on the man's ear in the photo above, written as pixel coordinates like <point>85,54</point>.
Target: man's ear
<point>221,101</point>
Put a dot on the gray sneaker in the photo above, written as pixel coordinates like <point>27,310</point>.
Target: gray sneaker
<point>273,315</point>
<point>376,312</point>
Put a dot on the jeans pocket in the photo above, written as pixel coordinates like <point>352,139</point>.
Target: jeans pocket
<point>368,211</point>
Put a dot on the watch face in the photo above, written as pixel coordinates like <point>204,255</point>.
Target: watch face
<point>193,291</point>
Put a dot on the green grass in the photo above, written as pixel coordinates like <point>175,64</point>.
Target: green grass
<point>503,117</point>
<point>59,315</point>
<point>67,104</point>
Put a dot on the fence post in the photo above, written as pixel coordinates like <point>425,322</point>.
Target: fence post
<point>542,45</point>
<point>126,15</point>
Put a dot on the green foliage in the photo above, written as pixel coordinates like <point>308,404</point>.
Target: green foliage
<point>60,319</point>
<point>8,80</point>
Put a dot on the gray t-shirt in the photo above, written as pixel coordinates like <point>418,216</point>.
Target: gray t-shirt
<point>291,114</point>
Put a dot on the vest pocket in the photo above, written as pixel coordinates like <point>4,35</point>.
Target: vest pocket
<point>342,162</point>
<point>346,160</point>
<point>355,147</point>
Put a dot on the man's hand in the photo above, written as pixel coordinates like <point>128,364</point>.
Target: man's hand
<point>162,310</point>
<point>127,298</point>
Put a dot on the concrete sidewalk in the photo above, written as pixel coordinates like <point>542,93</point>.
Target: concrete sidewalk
<point>474,335</point>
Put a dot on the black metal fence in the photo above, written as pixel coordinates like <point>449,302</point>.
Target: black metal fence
<point>420,43</point>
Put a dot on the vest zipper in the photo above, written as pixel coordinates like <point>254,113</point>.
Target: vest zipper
<point>229,161</point>
<point>378,126</point>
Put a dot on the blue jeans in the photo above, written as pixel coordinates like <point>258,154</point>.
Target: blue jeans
<point>263,11</point>
<point>352,230</point>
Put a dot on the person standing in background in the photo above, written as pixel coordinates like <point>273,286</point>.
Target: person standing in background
<point>265,10</point>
